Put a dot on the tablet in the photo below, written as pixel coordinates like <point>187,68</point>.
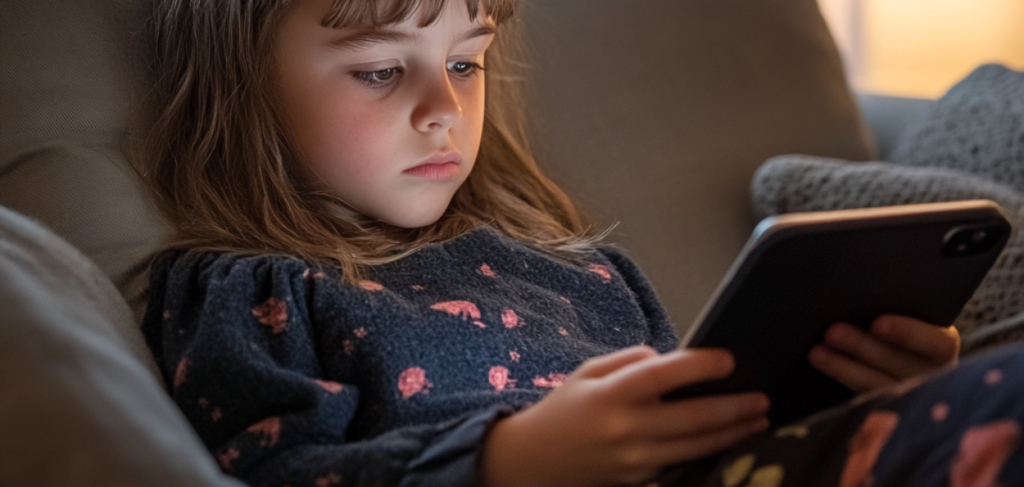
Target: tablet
<point>802,272</point>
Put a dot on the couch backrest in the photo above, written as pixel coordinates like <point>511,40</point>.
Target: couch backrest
<point>72,92</point>
<point>657,112</point>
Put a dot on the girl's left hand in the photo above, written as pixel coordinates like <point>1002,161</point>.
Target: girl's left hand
<point>896,349</point>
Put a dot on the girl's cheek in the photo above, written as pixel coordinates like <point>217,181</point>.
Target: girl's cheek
<point>344,127</point>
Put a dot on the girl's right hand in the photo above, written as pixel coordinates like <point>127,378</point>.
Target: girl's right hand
<point>607,424</point>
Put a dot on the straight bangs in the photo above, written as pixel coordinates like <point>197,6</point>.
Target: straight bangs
<point>375,14</point>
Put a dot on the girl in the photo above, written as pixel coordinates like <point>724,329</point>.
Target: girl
<point>375,284</point>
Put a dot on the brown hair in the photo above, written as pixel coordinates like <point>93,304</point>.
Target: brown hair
<point>223,173</point>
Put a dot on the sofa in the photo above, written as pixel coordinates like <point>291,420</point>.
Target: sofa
<point>654,114</point>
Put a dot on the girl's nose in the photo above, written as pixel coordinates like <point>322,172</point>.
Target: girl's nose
<point>438,108</point>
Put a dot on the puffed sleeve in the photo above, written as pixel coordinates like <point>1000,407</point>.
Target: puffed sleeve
<point>663,334</point>
<point>235,343</point>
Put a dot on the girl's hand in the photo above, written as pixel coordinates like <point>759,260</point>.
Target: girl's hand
<point>607,424</point>
<point>897,348</point>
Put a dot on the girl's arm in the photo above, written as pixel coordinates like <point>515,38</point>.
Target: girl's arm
<point>607,424</point>
<point>239,354</point>
<point>663,333</point>
<point>897,348</point>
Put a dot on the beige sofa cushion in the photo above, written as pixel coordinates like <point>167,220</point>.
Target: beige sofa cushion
<point>657,112</point>
<point>71,95</point>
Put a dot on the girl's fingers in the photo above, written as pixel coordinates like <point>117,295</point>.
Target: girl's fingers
<point>642,461</point>
<point>852,373</point>
<point>937,344</point>
<point>886,357</point>
<point>702,415</point>
<point>681,449</point>
<point>649,379</point>
<point>605,364</point>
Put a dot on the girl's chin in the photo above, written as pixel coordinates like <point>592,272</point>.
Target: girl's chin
<point>416,219</point>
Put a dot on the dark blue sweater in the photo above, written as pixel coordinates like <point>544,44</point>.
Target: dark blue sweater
<point>292,377</point>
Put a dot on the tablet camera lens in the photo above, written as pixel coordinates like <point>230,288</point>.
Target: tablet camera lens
<point>971,240</point>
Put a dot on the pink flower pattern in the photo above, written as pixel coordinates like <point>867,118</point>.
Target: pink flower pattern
<point>328,480</point>
<point>865,447</point>
<point>552,381</point>
<point>514,355</point>
<point>371,286</point>
<point>993,377</point>
<point>486,270</point>
<point>273,313</point>
<point>329,386</point>
<point>413,381</point>
<point>602,271</point>
<point>307,276</point>
<point>498,377</point>
<point>181,372</point>
<point>216,415</point>
<point>983,451</point>
<point>270,428</point>
<point>510,319</point>
<point>227,458</point>
<point>940,411</point>
<point>361,332</point>
<point>462,309</point>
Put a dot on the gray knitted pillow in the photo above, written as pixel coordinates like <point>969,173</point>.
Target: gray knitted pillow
<point>971,146</point>
<point>978,127</point>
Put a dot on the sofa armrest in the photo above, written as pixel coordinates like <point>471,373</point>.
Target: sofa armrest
<point>81,404</point>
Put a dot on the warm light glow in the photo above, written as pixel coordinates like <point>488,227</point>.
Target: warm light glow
<point>920,48</point>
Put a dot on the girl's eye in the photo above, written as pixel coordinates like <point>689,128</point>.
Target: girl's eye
<point>379,78</point>
<point>465,69</point>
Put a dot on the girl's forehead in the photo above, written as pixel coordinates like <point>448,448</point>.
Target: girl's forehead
<point>380,13</point>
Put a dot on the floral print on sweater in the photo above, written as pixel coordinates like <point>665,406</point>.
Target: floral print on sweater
<point>292,377</point>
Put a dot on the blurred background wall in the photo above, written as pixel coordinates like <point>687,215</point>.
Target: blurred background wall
<point>919,48</point>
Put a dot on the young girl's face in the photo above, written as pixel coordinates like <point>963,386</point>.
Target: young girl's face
<point>388,120</point>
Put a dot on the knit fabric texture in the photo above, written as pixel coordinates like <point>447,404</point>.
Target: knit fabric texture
<point>970,146</point>
<point>977,127</point>
<point>293,377</point>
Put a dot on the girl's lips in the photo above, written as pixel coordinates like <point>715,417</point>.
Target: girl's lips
<point>444,170</point>
<point>437,167</point>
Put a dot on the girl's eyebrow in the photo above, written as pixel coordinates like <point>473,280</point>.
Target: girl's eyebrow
<point>370,37</point>
<point>367,38</point>
<point>484,30</point>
